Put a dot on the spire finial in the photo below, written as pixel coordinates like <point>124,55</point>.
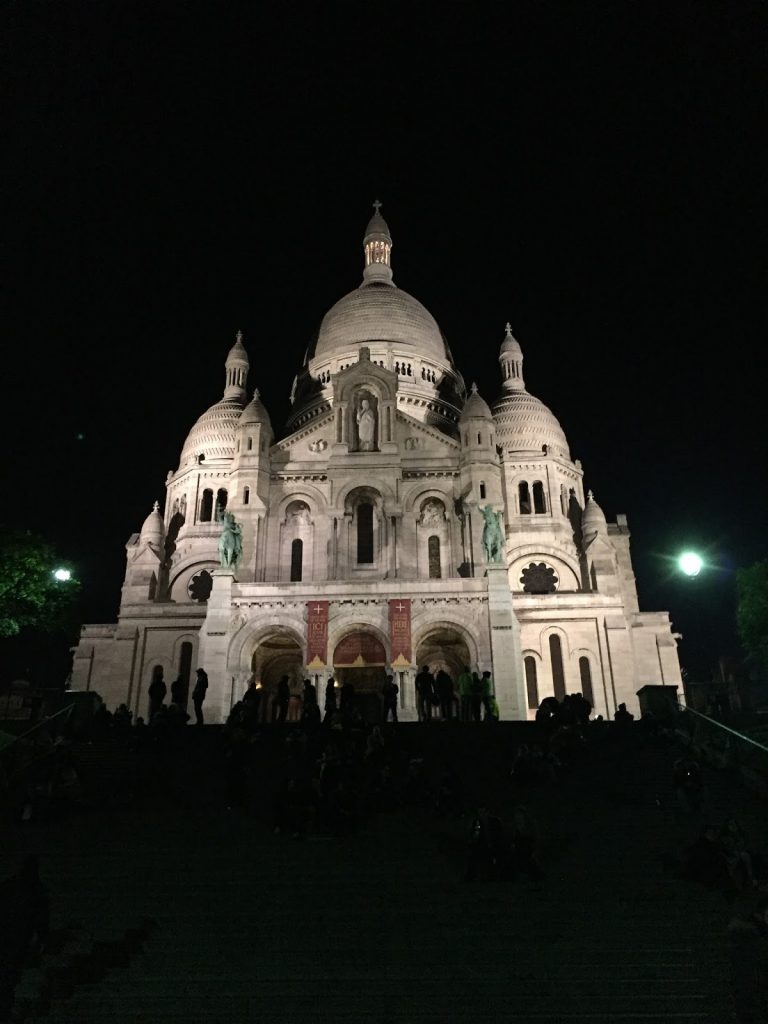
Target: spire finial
<point>473,389</point>
<point>239,337</point>
<point>156,507</point>
<point>590,496</point>
<point>256,393</point>
<point>376,205</point>
<point>508,329</point>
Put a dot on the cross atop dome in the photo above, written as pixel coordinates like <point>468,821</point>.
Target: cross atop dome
<point>376,205</point>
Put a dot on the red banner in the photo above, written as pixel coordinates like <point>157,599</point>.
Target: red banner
<point>400,632</point>
<point>317,634</point>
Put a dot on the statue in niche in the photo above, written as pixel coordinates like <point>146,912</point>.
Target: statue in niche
<point>298,514</point>
<point>432,513</point>
<point>366,426</point>
<point>493,538</point>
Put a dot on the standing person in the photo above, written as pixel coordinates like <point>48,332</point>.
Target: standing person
<point>198,695</point>
<point>282,699</point>
<point>424,693</point>
<point>157,691</point>
<point>330,697</point>
<point>252,702</point>
<point>464,683</point>
<point>310,693</point>
<point>477,696</point>
<point>179,690</point>
<point>389,692</point>
<point>444,688</point>
<point>487,695</point>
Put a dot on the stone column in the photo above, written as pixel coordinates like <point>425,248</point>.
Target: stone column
<point>214,644</point>
<point>507,668</point>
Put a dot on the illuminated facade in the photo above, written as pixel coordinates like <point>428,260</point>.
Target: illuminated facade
<point>362,534</point>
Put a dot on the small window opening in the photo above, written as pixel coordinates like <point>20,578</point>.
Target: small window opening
<point>297,557</point>
<point>364,534</point>
<point>433,548</point>
<point>524,496</point>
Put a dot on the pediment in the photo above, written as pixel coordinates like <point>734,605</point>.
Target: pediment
<point>416,438</point>
<point>310,443</point>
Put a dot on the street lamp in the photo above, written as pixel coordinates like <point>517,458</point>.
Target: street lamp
<point>62,575</point>
<point>690,563</point>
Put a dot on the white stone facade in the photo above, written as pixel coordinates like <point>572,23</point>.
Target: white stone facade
<point>373,499</point>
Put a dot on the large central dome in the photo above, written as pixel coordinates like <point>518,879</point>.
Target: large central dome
<point>379,312</point>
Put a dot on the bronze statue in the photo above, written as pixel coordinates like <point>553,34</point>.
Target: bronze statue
<point>230,542</point>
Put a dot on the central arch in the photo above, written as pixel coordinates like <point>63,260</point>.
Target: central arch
<point>277,654</point>
<point>359,658</point>
<point>443,647</point>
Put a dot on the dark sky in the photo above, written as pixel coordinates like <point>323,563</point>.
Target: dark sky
<point>594,173</point>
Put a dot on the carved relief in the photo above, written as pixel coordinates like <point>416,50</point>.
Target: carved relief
<point>318,446</point>
<point>413,443</point>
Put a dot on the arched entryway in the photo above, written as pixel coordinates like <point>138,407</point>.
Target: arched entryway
<point>276,655</point>
<point>443,648</point>
<point>360,659</point>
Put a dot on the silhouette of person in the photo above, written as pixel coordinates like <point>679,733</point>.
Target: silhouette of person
<point>157,691</point>
<point>198,695</point>
<point>424,693</point>
<point>282,699</point>
<point>389,692</point>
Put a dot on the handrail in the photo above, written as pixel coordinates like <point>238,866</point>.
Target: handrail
<point>43,721</point>
<point>721,725</point>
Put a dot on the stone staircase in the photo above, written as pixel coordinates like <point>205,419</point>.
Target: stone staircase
<point>378,926</point>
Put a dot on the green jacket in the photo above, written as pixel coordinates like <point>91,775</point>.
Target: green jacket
<point>464,684</point>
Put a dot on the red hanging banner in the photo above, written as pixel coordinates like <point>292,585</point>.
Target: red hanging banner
<point>400,632</point>
<point>317,634</point>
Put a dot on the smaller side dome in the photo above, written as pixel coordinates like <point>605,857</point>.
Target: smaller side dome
<point>593,518</point>
<point>153,528</point>
<point>254,412</point>
<point>475,407</point>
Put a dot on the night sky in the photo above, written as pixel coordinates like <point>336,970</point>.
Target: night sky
<point>594,173</point>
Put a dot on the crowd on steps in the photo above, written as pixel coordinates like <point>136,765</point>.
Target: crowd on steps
<point>335,770</point>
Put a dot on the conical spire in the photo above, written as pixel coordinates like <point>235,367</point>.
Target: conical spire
<point>377,245</point>
<point>236,367</point>
<point>511,360</point>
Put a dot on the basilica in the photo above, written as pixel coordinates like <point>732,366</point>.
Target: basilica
<point>397,521</point>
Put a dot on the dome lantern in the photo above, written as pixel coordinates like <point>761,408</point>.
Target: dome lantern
<point>377,246</point>
<point>511,360</point>
<point>236,368</point>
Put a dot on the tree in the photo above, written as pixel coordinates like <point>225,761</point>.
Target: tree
<point>30,595</point>
<point>752,611</point>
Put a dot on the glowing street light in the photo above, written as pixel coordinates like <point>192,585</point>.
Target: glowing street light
<point>62,575</point>
<point>690,563</point>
